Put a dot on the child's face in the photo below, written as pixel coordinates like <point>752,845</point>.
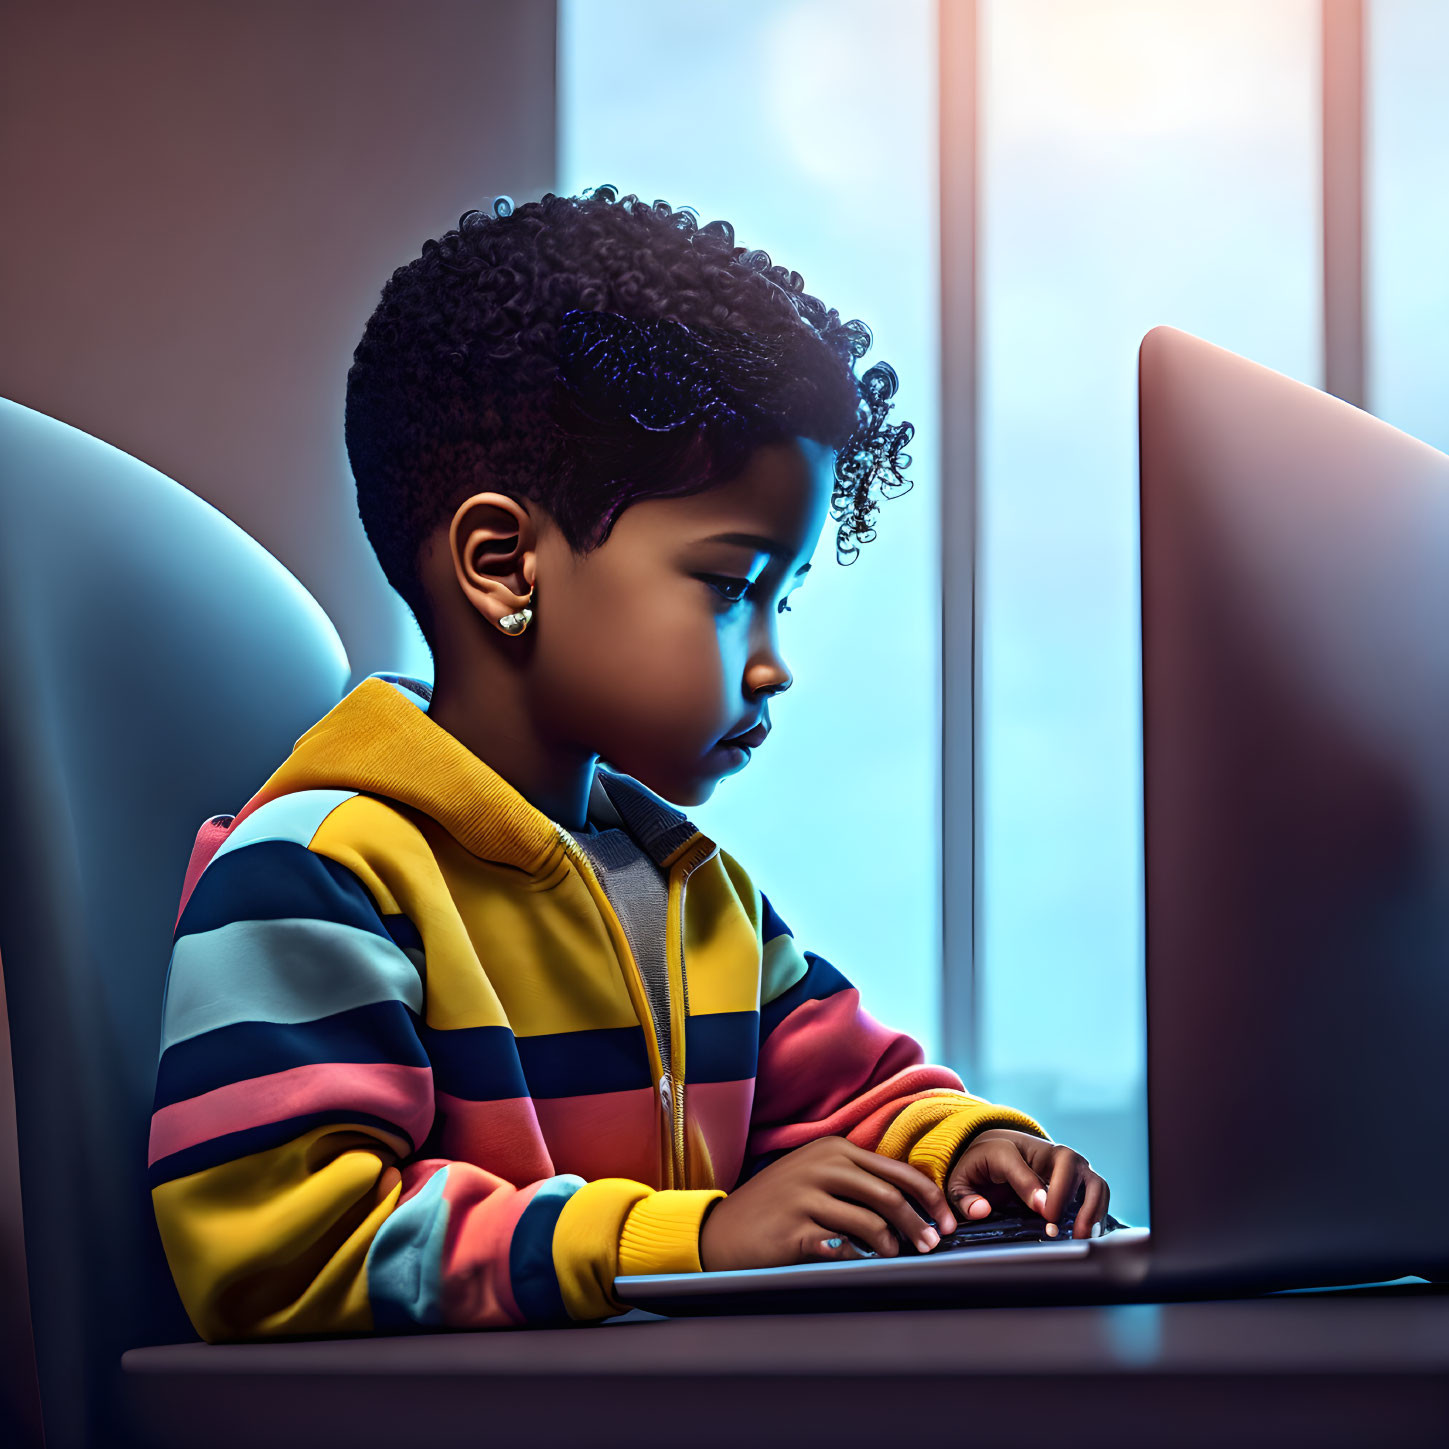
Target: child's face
<point>642,658</point>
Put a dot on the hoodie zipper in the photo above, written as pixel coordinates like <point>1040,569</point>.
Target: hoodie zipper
<point>677,1029</point>
<point>665,1085</point>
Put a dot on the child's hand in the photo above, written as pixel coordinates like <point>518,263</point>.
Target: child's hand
<point>794,1210</point>
<point>999,1166</point>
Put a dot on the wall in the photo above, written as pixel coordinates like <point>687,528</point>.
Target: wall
<point>203,202</point>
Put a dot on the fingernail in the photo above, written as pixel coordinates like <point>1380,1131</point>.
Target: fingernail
<point>1038,1199</point>
<point>929,1239</point>
<point>1052,1230</point>
<point>833,1242</point>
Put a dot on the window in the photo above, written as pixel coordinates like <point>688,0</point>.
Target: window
<point>811,126</point>
<point>1140,164</point>
<point>1407,199</point>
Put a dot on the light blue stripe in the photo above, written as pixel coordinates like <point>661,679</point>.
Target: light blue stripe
<point>287,970</point>
<point>782,964</point>
<point>294,817</point>
<point>405,1261</point>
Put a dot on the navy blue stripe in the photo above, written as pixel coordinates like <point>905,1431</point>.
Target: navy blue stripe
<point>820,981</point>
<point>382,1031</point>
<point>579,1063</point>
<point>530,1260</point>
<point>477,1063</point>
<point>403,932</point>
<point>276,880</point>
<point>722,1046</point>
<point>486,1063</point>
<point>772,925</point>
<point>232,1145</point>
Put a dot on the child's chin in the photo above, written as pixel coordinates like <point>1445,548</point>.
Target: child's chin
<point>697,785</point>
<point>695,791</point>
<point>697,795</point>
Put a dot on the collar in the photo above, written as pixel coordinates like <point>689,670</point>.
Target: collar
<point>379,740</point>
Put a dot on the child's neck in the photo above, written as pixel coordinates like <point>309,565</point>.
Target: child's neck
<point>494,725</point>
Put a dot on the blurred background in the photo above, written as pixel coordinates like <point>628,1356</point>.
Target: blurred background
<point>204,200</point>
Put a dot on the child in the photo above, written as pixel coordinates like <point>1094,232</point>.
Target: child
<point>461,1022</point>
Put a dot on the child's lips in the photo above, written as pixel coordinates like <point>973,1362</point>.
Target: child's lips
<point>753,739</point>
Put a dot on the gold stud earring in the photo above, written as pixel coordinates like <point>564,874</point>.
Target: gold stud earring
<point>517,623</point>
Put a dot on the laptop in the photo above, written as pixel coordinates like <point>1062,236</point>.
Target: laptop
<point>1295,653</point>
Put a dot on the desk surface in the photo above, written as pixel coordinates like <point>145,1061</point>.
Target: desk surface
<point>1366,1366</point>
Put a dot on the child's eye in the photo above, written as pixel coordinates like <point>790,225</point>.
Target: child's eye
<point>720,582</point>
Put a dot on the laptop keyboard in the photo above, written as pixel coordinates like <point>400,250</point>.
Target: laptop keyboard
<point>998,1228</point>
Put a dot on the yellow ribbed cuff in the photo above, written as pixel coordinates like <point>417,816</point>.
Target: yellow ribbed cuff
<point>931,1133</point>
<point>661,1232</point>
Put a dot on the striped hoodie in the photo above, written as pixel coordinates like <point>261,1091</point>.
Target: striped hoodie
<point>410,1077</point>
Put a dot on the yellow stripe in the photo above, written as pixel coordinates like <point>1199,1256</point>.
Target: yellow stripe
<point>363,834</point>
<point>746,892</point>
<point>276,1243</point>
<point>502,949</point>
<point>586,1245</point>
<point>721,944</point>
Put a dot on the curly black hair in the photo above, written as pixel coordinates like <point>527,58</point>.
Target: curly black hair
<point>586,353</point>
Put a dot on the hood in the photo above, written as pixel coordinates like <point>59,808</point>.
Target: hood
<point>379,740</point>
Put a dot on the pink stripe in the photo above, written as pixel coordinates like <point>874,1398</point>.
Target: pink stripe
<point>417,1174</point>
<point>210,838</point>
<point>208,841</point>
<point>720,1112</point>
<point>605,1134</point>
<point>823,1054</point>
<point>502,1136</point>
<point>839,1122</point>
<point>483,1211</point>
<point>868,1133</point>
<point>399,1094</point>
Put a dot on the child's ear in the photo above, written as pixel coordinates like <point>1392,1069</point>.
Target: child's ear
<point>493,540</point>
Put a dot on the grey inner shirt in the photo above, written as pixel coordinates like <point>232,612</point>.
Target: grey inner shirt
<point>639,893</point>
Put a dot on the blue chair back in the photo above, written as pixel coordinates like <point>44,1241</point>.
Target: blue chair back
<point>156,665</point>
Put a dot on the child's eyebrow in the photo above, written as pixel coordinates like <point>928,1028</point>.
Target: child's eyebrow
<point>756,541</point>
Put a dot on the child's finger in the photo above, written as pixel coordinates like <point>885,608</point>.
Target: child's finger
<point>907,1179</point>
<point>1093,1208</point>
<point>972,1205</point>
<point>1068,1169</point>
<point>1000,1161</point>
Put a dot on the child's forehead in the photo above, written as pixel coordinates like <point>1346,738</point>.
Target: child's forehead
<point>774,509</point>
<point>775,504</point>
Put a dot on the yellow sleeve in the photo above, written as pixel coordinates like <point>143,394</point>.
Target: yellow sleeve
<point>931,1133</point>
<point>661,1233</point>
